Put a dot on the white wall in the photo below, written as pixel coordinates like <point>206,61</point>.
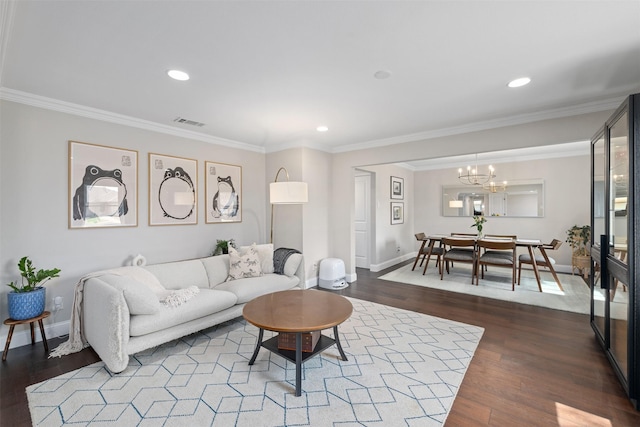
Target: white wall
<point>566,201</point>
<point>389,237</point>
<point>316,246</point>
<point>546,132</point>
<point>34,194</point>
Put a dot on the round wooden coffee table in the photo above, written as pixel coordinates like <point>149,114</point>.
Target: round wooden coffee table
<point>298,312</point>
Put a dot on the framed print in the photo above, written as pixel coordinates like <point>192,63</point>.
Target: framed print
<point>223,193</point>
<point>397,188</point>
<point>103,186</point>
<point>397,213</point>
<point>173,186</point>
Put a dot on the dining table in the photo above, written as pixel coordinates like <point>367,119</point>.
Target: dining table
<point>530,244</point>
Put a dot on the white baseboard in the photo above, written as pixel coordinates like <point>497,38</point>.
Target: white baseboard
<point>390,263</point>
<point>23,336</point>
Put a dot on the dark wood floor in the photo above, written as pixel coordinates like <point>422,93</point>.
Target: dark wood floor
<point>533,366</point>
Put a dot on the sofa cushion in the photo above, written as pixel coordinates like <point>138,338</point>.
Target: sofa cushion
<point>207,302</point>
<point>292,264</point>
<point>140,298</point>
<point>217,268</point>
<point>180,274</point>
<point>244,265</point>
<point>248,289</point>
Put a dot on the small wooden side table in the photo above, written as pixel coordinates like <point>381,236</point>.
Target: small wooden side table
<point>12,324</point>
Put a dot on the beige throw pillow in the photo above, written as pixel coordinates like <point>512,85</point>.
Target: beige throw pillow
<point>243,265</point>
<point>265,252</point>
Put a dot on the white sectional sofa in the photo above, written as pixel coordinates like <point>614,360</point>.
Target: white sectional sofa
<point>121,315</point>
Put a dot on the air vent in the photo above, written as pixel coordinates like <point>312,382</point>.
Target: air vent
<point>188,122</point>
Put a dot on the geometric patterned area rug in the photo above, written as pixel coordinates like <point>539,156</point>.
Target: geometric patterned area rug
<point>404,369</point>
<point>497,285</point>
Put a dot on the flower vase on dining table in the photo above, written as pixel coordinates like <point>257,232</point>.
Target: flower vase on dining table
<point>477,223</point>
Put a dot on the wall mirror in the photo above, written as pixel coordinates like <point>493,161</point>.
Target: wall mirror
<point>522,198</point>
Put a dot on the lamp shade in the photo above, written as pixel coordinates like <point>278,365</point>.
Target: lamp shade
<point>455,203</point>
<point>288,192</point>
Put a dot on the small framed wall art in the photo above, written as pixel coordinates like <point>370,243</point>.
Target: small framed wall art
<point>397,188</point>
<point>223,193</point>
<point>173,189</point>
<point>397,213</point>
<point>103,186</point>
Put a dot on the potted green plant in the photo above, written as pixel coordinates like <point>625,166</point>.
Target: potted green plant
<point>578,238</point>
<point>222,246</point>
<point>27,297</point>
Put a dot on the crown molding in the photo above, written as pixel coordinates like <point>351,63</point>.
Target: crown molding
<point>555,113</point>
<point>107,116</point>
<point>569,149</point>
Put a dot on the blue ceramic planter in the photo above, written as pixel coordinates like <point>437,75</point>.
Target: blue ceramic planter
<point>25,305</point>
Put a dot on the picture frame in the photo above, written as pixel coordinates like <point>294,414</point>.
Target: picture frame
<point>223,193</point>
<point>397,188</point>
<point>103,186</point>
<point>397,213</point>
<point>173,190</point>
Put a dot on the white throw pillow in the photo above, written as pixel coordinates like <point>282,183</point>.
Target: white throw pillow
<point>292,264</point>
<point>265,252</point>
<point>140,298</point>
<point>244,265</point>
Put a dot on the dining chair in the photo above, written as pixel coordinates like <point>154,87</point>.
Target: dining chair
<point>458,249</point>
<point>499,237</point>
<point>499,253</point>
<point>426,250</point>
<point>541,261</point>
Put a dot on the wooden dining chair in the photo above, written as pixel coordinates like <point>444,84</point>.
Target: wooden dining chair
<point>458,249</point>
<point>499,253</point>
<point>499,237</point>
<point>540,261</point>
<point>426,250</point>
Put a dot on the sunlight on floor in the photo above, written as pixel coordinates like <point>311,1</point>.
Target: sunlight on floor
<point>569,416</point>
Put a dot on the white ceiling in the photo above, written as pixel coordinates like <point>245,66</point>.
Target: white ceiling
<point>266,73</point>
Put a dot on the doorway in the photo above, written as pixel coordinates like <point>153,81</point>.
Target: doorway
<point>364,230</point>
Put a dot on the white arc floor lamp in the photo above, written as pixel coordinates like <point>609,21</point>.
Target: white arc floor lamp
<point>286,193</point>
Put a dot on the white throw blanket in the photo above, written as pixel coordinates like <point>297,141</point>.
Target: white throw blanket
<point>77,341</point>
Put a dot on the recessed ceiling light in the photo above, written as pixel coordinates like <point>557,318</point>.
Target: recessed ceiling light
<point>178,75</point>
<point>519,82</point>
<point>322,128</point>
<point>382,74</point>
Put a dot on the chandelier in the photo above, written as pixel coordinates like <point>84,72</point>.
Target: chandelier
<point>494,187</point>
<point>474,177</point>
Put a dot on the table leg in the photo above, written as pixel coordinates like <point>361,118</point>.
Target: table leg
<point>298,363</point>
<point>33,337</point>
<point>6,346</point>
<point>258,345</point>
<point>337,340</point>
<point>535,267</point>
<point>44,338</point>
<point>553,271</point>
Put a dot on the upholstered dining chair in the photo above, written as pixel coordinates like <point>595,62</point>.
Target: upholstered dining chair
<point>540,261</point>
<point>499,253</point>
<point>458,249</point>
<point>499,237</point>
<point>426,250</point>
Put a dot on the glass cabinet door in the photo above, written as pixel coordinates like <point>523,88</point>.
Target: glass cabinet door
<point>618,232</point>
<point>599,211</point>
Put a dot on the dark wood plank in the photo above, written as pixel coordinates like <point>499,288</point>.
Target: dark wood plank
<point>533,366</point>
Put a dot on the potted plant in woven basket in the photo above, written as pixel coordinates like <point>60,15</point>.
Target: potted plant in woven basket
<point>578,238</point>
<point>27,297</point>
